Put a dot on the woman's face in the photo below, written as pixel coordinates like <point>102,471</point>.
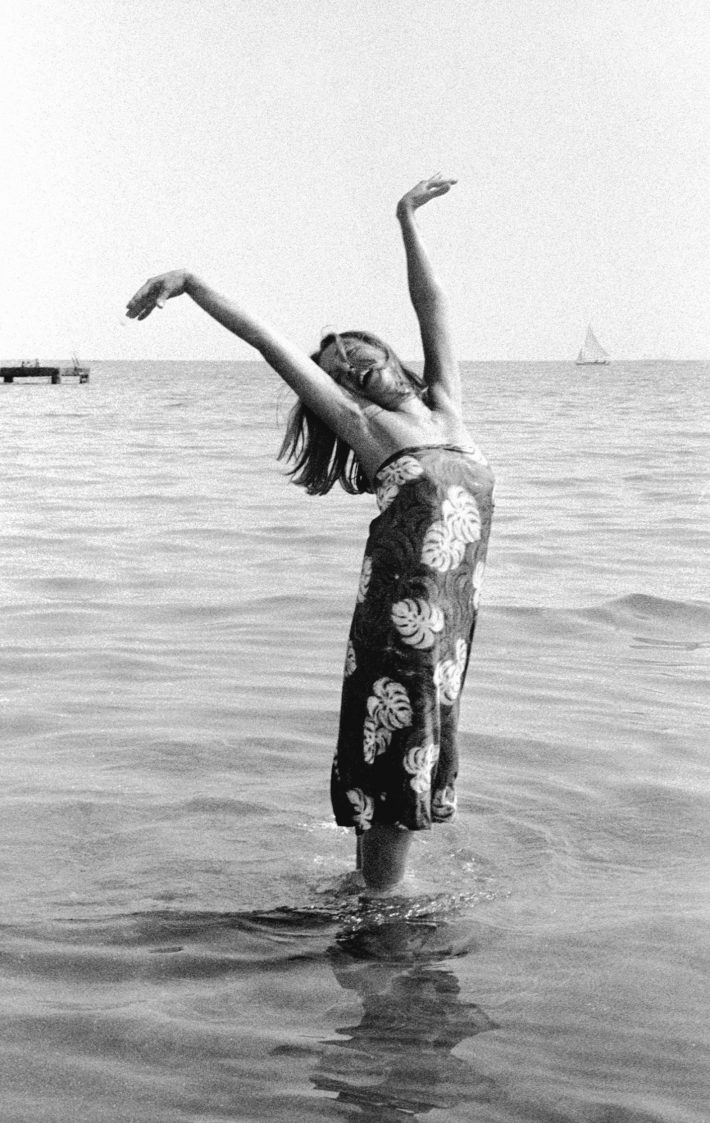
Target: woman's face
<point>366,370</point>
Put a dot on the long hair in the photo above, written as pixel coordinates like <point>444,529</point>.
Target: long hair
<point>320,457</point>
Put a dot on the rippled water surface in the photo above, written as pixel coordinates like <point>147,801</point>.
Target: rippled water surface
<point>179,940</point>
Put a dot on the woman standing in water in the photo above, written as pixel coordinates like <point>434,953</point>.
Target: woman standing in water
<point>367,422</point>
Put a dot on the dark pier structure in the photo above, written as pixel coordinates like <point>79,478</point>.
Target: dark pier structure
<point>49,374</point>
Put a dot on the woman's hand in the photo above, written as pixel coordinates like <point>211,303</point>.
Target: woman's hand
<point>423,191</point>
<point>155,292</point>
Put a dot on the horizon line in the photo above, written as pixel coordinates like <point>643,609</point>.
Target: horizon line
<point>195,359</point>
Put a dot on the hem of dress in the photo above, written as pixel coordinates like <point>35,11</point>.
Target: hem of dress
<point>422,448</point>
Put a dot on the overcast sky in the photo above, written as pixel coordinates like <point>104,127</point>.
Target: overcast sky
<point>264,144</point>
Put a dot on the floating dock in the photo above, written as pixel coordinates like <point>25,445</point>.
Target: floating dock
<point>49,374</point>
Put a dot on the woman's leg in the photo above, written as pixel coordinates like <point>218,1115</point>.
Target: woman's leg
<point>382,855</point>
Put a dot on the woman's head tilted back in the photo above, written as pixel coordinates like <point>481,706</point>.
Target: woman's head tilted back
<point>366,366</point>
<point>361,361</point>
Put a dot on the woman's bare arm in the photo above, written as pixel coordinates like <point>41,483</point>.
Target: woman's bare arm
<point>441,370</point>
<point>314,387</point>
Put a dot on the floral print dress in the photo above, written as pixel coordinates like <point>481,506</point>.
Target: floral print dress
<point>396,760</point>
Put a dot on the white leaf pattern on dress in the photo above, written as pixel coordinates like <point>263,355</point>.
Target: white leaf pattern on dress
<point>350,659</point>
<point>392,476</point>
<point>365,575</point>
<point>443,804</point>
<point>445,541</point>
<point>448,674</point>
<point>388,709</point>
<point>363,808</point>
<point>461,515</point>
<point>419,763</point>
<point>392,706</point>
<point>440,550</point>
<point>417,621</point>
<point>477,581</point>
<point>375,739</point>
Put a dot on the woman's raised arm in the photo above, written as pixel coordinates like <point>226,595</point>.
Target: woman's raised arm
<point>441,370</point>
<point>314,387</point>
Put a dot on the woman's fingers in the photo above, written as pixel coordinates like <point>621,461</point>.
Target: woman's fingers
<point>145,311</point>
<point>155,293</point>
<point>430,188</point>
<point>440,182</point>
<point>151,295</point>
<point>137,302</point>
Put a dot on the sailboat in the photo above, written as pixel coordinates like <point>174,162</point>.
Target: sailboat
<point>591,353</point>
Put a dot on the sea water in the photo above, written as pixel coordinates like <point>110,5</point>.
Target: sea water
<point>180,940</point>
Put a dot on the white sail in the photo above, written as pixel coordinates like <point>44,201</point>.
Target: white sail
<point>591,350</point>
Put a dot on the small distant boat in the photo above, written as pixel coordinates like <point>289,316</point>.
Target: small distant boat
<point>591,353</point>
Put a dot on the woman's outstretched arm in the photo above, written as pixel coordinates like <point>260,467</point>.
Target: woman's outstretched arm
<point>314,387</point>
<point>441,370</point>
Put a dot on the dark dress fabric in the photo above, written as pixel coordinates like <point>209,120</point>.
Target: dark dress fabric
<point>396,760</point>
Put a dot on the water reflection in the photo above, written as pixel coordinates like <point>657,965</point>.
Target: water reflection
<point>398,1057</point>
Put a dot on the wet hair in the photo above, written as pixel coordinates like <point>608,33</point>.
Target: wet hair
<point>321,458</point>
